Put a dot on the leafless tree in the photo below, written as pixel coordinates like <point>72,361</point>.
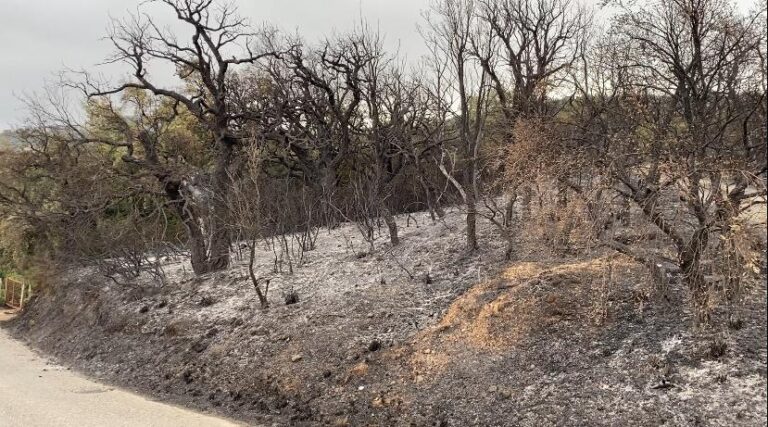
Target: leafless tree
<point>452,25</point>
<point>670,125</point>
<point>219,41</point>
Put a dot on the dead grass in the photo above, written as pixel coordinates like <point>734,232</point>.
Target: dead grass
<point>528,298</point>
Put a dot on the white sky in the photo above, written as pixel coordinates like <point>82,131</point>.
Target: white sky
<point>39,38</point>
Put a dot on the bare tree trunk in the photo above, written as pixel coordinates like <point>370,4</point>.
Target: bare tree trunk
<point>218,251</point>
<point>196,239</point>
<point>508,222</point>
<point>562,195</point>
<point>510,249</point>
<point>327,186</point>
<point>526,202</point>
<point>391,225</point>
<point>471,222</point>
<point>433,202</point>
<point>690,264</point>
<point>509,209</point>
<point>435,208</point>
<point>197,252</point>
<point>262,295</point>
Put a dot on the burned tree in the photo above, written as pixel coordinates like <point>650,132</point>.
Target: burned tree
<point>452,25</point>
<point>219,41</point>
<point>668,122</point>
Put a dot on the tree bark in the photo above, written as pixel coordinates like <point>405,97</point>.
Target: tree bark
<point>471,223</point>
<point>433,204</point>
<point>218,251</point>
<point>196,242</point>
<point>251,258</point>
<point>391,225</point>
<point>693,277</point>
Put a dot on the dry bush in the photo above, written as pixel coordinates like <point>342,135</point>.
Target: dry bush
<point>564,228</point>
<point>535,172</point>
<point>602,290</point>
<point>245,213</point>
<point>516,169</point>
<point>736,259</point>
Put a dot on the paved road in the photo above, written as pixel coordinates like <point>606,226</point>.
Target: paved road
<point>34,393</point>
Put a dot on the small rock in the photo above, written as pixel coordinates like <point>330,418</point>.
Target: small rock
<point>427,351</point>
<point>187,376</point>
<point>506,394</point>
<point>375,345</point>
<point>212,333</point>
<point>296,357</point>
<point>419,378</point>
<point>327,374</point>
<point>662,384</point>
<point>717,348</point>
<point>370,315</point>
<point>199,347</point>
<point>291,297</point>
<point>361,388</point>
<point>734,322</point>
<point>493,389</point>
<point>379,402</point>
<point>144,309</point>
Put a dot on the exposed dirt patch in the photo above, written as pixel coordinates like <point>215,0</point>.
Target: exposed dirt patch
<point>545,340</point>
<point>531,349</point>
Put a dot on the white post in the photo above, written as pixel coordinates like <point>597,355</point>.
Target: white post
<point>21,299</point>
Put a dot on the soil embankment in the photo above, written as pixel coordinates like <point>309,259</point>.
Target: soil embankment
<point>417,335</point>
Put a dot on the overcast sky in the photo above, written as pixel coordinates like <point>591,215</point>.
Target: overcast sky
<point>38,38</point>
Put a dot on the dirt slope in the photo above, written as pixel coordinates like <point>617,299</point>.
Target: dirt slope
<point>418,335</point>
<point>532,348</point>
